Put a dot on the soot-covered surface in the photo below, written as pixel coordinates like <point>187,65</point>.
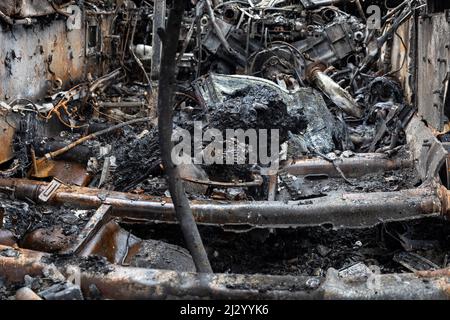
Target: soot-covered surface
<point>255,108</point>
<point>21,217</point>
<point>311,251</point>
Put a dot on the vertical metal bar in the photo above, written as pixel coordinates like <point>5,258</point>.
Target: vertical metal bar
<point>159,19</point>
<point>167,82</point>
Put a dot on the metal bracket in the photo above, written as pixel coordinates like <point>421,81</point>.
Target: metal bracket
<point>48,192</point>
<point>94,224</point>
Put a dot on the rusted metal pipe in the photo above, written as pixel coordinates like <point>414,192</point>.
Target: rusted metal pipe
<point>54,154</point>
<point>339,96</point>
<point>360,9</point>
<point>135,283</point>
<point>352,210</point>
<point>257,181</point>
<point>355,166</point>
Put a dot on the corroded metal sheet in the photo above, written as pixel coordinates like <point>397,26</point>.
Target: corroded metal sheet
<point>433,67</point>
<point>429,154</point>
<point>50,55</point>
<point>28,8</point>
<point>30,57</point>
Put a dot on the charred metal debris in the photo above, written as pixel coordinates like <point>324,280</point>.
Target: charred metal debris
<point>357,209</point>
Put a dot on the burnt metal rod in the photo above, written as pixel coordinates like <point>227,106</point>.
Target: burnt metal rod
<point>159,21</point>
<point>100,81</point>
<point>167,80</point>
<point>122,104</point>
<point>138,61</point>
<point>360,9</point>
<point>352,210</point>
<point>321,3</point>
<point>137,283</point>
<point>6,18</point>
<point>356,166</point>
<point>54,154</point>
<point>340,97</point>
<point>217,29</point>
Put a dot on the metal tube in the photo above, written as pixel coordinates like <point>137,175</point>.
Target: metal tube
<point>335,92</point>
<point>167,82</point>
<point>355,166</point>
<point>26,293</point>
<point>352,210</point>
<point>136,283</point>
<point>217,29</point>
<point>122,104</point>
<point>312,4</point>
<point>159,21</point>
<point>6,18</point>
<point>56,153</point>
<point>360,9</point>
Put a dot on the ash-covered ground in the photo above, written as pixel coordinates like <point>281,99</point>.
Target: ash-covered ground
<point>312,251</point>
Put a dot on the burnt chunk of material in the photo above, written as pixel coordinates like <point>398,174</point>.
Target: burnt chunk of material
<point>137,158</point>
<point>254,108</point>
<point>155,254</point>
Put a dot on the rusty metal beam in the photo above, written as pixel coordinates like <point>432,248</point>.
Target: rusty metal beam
<point>159,21</point>
<point>136,283</point>
<point>352,210</point>
<point>355,166</point>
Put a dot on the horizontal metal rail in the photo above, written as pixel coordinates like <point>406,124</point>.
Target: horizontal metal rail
<point>117,282</point>
<point>350,210</point>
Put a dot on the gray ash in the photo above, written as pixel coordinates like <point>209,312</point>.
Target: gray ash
<point>312,251</point>
<point>22,217</point>
<point>137,157</point>
<point>255,108</point>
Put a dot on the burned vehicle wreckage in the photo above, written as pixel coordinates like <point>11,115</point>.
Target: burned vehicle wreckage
<point>352,96</point>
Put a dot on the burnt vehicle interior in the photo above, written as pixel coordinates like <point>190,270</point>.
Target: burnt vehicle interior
<point>357,208</point>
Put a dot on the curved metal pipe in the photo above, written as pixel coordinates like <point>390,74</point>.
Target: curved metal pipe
<point>351,210</point>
